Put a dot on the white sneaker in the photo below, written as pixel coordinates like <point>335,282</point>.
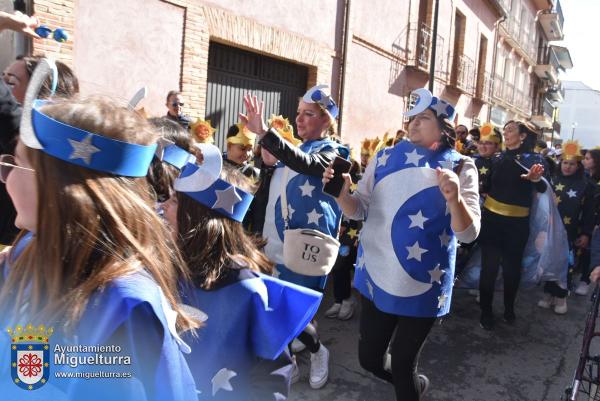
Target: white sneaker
<point>295,371</point>
<point>582,288</point>
<point>297,346</point>
<point>319,368</point>
<point>333,311</point>
<point>560,305</point>
<point>347,309</point>
<point>546,302</point>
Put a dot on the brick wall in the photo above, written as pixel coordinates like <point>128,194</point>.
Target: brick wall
<point>202,24</point>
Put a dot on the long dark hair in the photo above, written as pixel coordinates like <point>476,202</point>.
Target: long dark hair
<point>530,136</point>
<point>595,155</point>
<point>212,244</point>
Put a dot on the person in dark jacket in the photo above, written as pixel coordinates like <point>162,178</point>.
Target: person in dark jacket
<point>575,201</point>
<point>240,144</point>
<point>175,105</point>
<point>514,175</point>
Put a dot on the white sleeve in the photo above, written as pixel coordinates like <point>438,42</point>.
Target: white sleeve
<point>469,190</point>
<point>364,190</point>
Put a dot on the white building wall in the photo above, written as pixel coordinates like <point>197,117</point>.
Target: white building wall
<point>581,106</point>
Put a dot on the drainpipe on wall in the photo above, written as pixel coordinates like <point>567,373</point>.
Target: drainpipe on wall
<point>495,54</point>
<point>344,63</point>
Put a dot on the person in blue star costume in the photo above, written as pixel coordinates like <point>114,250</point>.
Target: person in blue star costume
<point>416,200</point>
<point>241,351</point>
<point>88,270</point>
<point>299,173</point>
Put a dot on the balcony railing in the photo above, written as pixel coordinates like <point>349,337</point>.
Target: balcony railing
<point>419,50</point>
<point>464,78</point>
<point>483,90</point>
<point>509,93</point>
<point>547,108</point>
<point>519,38</point>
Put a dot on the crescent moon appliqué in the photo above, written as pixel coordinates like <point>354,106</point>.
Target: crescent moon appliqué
<point>387,198</point>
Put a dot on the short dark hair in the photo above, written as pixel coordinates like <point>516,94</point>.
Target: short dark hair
<point>172,93</point>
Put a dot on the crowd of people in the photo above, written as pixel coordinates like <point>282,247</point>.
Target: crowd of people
<point>206,267</point>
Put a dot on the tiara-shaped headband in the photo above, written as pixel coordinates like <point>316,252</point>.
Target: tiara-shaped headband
<point>243,137</point>
<point>316,94</point>
<point>426,100</point>
<point>75,145</point>
<point>202,183</point>
<point>284,129</point>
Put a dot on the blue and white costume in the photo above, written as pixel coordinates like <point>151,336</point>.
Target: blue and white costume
<point>406,256</point>
<point>309,207</point>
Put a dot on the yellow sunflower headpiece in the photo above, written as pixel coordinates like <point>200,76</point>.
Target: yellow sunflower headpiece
<point>365,147</point>
<point>489,133</point>
<point>243,137</point>
<point>284,128</point>
<point>571,150</point>
<point>202,131</point>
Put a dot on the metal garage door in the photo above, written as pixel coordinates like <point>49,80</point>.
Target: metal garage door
<point>234,72</point>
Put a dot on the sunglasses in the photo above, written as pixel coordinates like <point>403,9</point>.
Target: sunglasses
<point>7,163</point>
<point>175,104</point>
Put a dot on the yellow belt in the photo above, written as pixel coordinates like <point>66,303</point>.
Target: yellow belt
<point>505,209</point>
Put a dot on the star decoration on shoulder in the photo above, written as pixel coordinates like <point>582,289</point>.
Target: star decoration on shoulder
<point>571,193</point>
<point>413,158</point>
<point>383,159</point>
<point>560,187</point>
<point>221,380</point>
<point>313,217</point>
<point>352,233</point>
<point>415,251</point>
<point>417,220</point>
<point>307,189</point>
<point>276,273</point>
<point>226,199</point>
<point>558,200</point>
<point>436,274</point>
<point>83,149</point>
<point>567,220</point>
<point>483,170</point>
<point>447,164</point>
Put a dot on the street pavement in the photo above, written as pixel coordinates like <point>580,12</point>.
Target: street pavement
<point>533,360</point>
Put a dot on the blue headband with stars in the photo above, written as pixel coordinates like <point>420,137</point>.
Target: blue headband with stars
<point>425,100</point>
<point>75,145</point>
<point>202,183</point>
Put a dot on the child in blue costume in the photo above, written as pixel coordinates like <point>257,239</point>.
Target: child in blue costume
<point>251,317</point>
<point>298,173</point>
<point>98,270</point>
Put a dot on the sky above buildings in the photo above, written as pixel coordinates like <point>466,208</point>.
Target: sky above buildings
<point>582,18</point>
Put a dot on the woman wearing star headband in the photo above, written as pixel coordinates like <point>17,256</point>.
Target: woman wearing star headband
<point>416,199</point>
<point>299,173</point>
<point>99,267</point>
<point>575,197</point>
<point>251,316</point>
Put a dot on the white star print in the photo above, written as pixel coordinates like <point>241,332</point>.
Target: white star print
<point>221,380</point>
<point>370,288</point>
<point>447,209</point>
<point>442,301</point>
<point>415,251</point>
<point>413,157</point>
<point>290,211</point>
<point>383,159</point>
<point>436,274</point>
<point>441,109</point>
<point>360,262</point>
<point>571,193</point>
<point>447,164</point>
<point>226,199</point>
<point>445,239</point>
<point>307,189</point>
<point>417,220</point>
<point>276,273</point>
<point>313,217</point>
<point>83,150</point>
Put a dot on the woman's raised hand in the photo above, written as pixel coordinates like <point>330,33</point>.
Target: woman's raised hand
<point>253,119</point>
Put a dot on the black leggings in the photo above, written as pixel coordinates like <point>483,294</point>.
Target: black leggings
<point>376,331</point>
<point>503,240</point>
<point>310,338</point>
<point>342,276</point>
